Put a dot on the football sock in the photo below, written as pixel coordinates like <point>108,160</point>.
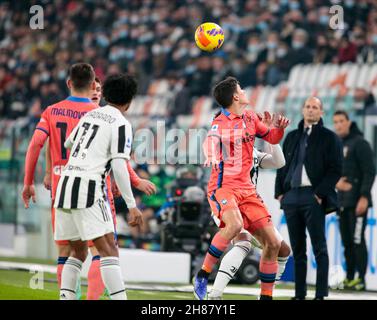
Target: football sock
<point>215,251</point>
<point>229,266</point>
<point>95,284</point>
<point>282,262</point>
<point>112,278</point>
<point>70,276</point>
<point>267,276</point>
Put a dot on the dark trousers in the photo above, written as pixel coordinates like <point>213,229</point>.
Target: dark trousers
<point>352,230</point>
<point>302,212</point>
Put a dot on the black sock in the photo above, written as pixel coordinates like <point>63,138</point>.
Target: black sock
<point>203,274</point>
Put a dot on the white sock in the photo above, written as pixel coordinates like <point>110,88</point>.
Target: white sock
<point>112,278</point>
<point>70,277</point>
<point>229,266</point>
<point>282,262</point>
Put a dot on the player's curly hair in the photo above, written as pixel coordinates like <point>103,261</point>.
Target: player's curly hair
<point>119,89</point>
<point>224,91</point>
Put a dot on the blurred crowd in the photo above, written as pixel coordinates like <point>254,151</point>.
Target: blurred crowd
<point>154,39</point>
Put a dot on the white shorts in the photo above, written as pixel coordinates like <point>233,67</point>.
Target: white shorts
<point>84,224</point>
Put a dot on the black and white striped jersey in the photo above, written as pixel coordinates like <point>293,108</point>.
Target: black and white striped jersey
<point>101,135</point>
<point>257,159</point>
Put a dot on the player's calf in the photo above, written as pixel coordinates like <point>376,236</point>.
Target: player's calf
<point>72,270</point>
<point>110,268</point>
<point>230,264</point>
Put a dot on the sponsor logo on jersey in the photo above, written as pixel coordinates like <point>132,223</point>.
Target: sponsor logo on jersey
<point>224,201</point>
<point>57,170</point>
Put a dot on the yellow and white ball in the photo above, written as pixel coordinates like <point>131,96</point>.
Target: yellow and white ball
<point>209,36</point>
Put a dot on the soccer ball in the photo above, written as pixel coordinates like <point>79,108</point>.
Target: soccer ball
<point>209,36</point>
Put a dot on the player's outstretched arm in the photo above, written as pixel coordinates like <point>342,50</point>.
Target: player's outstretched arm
<point>122,179</point>
<point>273,159</point>
<point>36,144</point>
<point>211,150</point>
<point>275,133</point>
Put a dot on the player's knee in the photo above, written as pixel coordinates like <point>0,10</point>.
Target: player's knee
<point>80,254</point>
<point>273,245</point>
<point>64,250</point>
<point>236,227</point>
<point>285,250</point>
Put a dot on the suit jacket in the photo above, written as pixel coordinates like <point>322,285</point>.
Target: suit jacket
<point>323,163</point>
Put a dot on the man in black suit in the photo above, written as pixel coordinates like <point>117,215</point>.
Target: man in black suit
<point>305,187</point>
<point>354,194</point>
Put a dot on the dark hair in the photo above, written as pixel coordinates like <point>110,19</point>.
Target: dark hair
<point>224,91</point>
<point>96,79</point>
<point>81,75</point>
<point>119,89</point>
<point>341,113</point>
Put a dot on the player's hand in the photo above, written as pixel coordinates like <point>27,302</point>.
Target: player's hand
<point>211,162</point>
<point>147,187</point>
<point>362,206</point>
<point>343,185</point>
<point>280,197</point>
<point>27,193</point>
<point>280,121</point>
<point>266,118</point>
<point>135,217</point>
<point>47,181</point>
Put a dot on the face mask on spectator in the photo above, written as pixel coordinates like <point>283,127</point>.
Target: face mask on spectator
<point>253,48</point>
<point>262,26</point>
<point>323,19</point>
<point>62,74</point>
<point>281,52</point>
<point>216,12</point>
<point>349,3</point>
<point>274,8</point>
<point>294,5</point>
<point>237,67</point>
<point>271,45</point>
<point>153,169</point>
<point>45,76</point>
<point>156,49</point>
<point>102,41</point>
<point>297,44</point>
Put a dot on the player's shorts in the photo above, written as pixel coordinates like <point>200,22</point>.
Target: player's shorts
<point>58,242</point>
<point>84,224</point>
<point>113,212</point>
<point>247,201</point>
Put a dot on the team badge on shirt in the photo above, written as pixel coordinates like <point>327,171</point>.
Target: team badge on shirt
<point>215,127</point>
<point>224,201</point>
